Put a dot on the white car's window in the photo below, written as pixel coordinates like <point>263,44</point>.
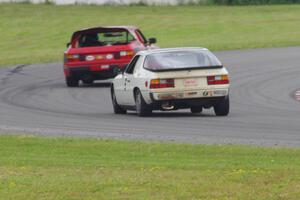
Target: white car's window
<point>138,64</point>
<point>129,69</point>
<point>181,60</point>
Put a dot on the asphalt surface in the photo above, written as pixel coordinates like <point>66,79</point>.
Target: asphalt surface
<point>34,99</point>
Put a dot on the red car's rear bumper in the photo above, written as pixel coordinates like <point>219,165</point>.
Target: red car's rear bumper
<point>97,71</point>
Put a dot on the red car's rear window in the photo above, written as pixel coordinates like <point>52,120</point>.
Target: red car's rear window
<point>105,38</point>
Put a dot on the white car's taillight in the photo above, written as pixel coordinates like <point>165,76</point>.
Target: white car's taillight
<point>161,83</point>
<point>217,80</point>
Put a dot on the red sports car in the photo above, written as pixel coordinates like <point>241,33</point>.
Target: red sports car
<point>101,52</point>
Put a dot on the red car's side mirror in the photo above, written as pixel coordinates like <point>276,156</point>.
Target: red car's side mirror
<point>152,41</point>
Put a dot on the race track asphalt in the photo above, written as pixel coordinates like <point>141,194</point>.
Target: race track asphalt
<point>34,99</point>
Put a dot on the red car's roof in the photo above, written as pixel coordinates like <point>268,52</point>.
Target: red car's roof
<point>97,29</point>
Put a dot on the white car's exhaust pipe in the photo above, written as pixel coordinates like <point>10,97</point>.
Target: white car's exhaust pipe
<point>167,106</point>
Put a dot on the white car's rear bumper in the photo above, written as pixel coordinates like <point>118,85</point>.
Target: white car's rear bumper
<point>158,96</point>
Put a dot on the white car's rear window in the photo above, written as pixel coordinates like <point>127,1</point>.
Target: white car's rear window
<point>176,60</point>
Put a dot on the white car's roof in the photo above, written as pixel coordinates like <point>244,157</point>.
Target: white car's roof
<point>163,50</point>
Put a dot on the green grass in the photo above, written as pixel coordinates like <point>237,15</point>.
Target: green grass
<point>38,33</point>
<point>65,168</point>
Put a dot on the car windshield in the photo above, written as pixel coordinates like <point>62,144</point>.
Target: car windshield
<point>184,59</point>
<point>105,38</point>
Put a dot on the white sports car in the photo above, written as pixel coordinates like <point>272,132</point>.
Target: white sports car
<point>170,79</point>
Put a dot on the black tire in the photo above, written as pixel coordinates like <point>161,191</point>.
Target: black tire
<point>117,108</point>
<point>88,82</point>
<point>142,109</point>
<point>222,108</point>
<point>72,82</point>
<point>196,109</point>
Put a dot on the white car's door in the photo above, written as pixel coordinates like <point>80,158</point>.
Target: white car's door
<point>131,80</point>
<point>119,88</point>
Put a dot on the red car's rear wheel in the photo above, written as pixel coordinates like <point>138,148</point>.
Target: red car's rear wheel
<point>72,82</point>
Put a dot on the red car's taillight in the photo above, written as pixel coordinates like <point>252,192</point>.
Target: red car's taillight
<point>161,83</point>
<point>216,80</point>
<point>127,53</point>
<point>72,57</point>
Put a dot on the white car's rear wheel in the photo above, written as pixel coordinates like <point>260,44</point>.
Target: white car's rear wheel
<point>222,108</point>
<point>142,109</point>
<point>117,108</point>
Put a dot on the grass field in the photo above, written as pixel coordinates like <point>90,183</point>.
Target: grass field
<point>38,33</point>
<point>66,168</point>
